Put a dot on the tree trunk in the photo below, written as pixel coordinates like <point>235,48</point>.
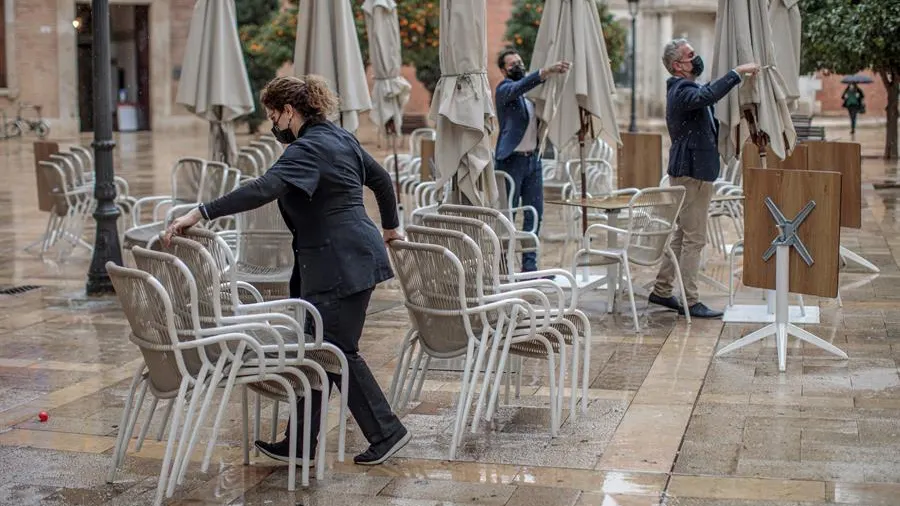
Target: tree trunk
<point>892,85</point>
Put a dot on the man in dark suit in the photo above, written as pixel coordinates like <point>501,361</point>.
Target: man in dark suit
<point>517,143</point>
<point>693,163</point>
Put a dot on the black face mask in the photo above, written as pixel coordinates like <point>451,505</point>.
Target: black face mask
<point>284,136</point>
<point>516,73</point>
<point>696,65</point>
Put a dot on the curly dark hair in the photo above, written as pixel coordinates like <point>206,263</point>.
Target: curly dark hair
<point>309,95</point>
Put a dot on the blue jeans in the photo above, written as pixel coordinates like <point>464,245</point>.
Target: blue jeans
<point>529,180</point>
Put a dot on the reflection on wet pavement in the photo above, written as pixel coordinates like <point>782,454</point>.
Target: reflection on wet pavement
<point>667,423</point>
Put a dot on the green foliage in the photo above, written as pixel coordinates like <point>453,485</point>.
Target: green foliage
<point>847,36</point>
<point>523,24</point>
<point>251,15</point>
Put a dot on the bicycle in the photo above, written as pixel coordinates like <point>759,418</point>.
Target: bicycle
<point>21,124</point>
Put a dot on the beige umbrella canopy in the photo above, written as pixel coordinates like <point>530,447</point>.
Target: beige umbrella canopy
<point>743,35</point>
<point>462,104</point>
<point>327,46</point>
<point>784,18</point>
<point>391,91</point>
<point>214,83</point>
<point>570,30</point>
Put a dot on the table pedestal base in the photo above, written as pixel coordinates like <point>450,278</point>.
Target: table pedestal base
<point>782,327</point>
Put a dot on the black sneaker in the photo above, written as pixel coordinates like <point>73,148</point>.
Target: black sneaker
<point>280,451</point>
<point>378,453</point>
<point>670,302</point>
<point>699,310</point>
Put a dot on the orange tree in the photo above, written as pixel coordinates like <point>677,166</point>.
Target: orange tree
<point>522,27</point>
<point>273,43</point>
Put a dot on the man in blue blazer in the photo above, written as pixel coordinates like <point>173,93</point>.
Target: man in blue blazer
<point>517,143</point>
<point>693,163</point>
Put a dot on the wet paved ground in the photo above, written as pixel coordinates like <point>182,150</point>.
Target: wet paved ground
<point>667,423</point>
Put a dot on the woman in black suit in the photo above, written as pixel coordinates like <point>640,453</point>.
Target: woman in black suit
<point>339,252</point>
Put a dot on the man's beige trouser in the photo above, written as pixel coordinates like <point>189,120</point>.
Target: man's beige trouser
<point>689,239</point>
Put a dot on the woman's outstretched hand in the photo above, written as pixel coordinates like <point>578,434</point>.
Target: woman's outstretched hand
<point>392,235</point>
<point>180,224</point>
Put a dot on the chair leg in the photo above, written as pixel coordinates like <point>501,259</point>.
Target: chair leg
<point>731,256</point>
<point>412,380</point>
<point>627,268</point>
<point>464,398</point>
<point>198,392</point>
<point>519,362</point>
<point>201,418</point>
<point>170,445</point>
<point>257,416</point>
<point>126,415</point>
<point>684,303</point>
<point>274,431</point>
<point>245,426</point>
<point>488,371</point>
<point>421,381</point>
<point>146,427</point>
<point>573,390</point>
<point>401,363</point>
<point>132,420</point>
<point>165,422</point>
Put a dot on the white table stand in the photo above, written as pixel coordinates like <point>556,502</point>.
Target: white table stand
<point>781,327</point>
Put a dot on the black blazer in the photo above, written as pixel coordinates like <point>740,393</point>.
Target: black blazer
<point>692,126</point>
<point>318,182</point>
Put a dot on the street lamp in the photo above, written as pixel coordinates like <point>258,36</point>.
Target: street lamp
<point>106,240</point>
<point>633,10</point>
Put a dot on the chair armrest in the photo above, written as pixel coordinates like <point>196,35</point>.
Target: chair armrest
<point>524,276</point>
<point>300,306</point>
<point>522,294</point>
<point>136,209</point>
<point>222,339</point>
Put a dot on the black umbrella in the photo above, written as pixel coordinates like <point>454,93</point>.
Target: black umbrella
<point>857,79</point>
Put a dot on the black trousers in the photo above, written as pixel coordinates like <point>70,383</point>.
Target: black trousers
<point>853,112</point>
<point>343,321</point>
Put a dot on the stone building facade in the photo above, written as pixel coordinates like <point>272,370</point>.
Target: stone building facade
<point>42,60</point>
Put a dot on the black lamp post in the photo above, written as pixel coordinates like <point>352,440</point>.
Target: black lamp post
<point>633,10</point>
<point>106,240</point>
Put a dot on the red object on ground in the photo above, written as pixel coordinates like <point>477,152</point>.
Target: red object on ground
<point>43,416</point>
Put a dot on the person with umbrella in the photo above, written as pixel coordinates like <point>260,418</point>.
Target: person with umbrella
<point>340,254</point>
<point>517,143</point>
<point>853,102</point>
<point>694,164</point>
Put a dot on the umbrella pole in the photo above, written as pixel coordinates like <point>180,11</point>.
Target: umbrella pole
<point>582,132</point>
<point>392,137</point>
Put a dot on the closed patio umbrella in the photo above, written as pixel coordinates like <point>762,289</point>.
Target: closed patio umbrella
<point>570,30</point>
<point>784,18</point>
<point>575,102</point>
<point>391,91</point>
<point>462,105</point>
<point>743,35</point>
<point>214,83</point>
<point>327,46</point>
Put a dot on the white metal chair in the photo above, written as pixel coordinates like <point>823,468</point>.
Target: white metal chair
<point>213,265</point>
<point>194,180</point>
<point>189,298</point>
<point>71,206</point>
<point>450,322</point>
<point>652,219</point>
<point>150,312</point>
